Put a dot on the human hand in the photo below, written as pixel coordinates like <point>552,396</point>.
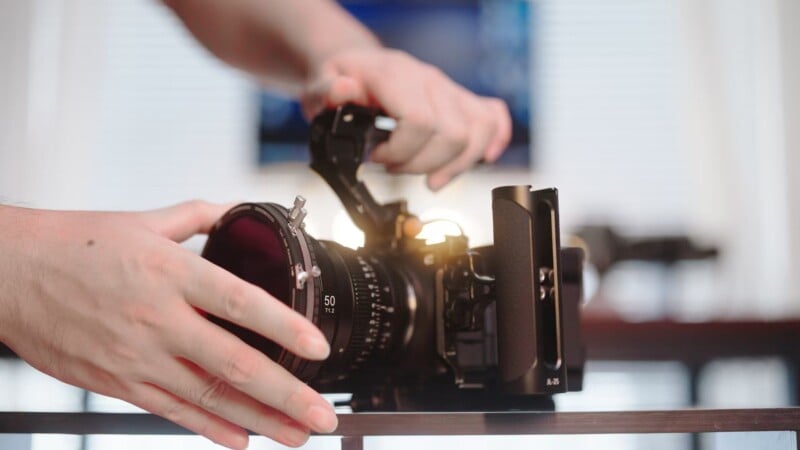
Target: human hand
<point>442,128</point>
<point>109,302</point>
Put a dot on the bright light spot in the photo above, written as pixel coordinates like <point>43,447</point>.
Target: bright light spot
<point>439,223</point>
<point>311,228</point>
<point>345,232</point>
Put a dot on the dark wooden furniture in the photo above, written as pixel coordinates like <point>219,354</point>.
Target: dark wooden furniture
<point>609,338</point>
<point>354,427</point>
<point>695,344</point>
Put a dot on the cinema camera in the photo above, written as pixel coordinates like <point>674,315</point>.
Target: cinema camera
<point>414,326</point>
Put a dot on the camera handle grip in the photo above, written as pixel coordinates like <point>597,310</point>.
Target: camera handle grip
<point>340,140</point>
<point>530,341</point>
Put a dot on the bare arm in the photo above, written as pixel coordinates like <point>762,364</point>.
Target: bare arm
<point>316,51</point>
<point>280,41</point>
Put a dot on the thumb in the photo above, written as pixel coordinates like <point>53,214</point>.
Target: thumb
<point>184,220</point>
<point>333,91</point>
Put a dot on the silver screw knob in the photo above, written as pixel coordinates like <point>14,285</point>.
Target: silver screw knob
<point>297,214</point>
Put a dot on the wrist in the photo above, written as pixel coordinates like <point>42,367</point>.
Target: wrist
<point>332,32</point>
<point>8,233</point>
<point>326,52</point>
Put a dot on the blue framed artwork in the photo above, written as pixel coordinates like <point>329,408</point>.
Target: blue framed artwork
<point>482,44</point>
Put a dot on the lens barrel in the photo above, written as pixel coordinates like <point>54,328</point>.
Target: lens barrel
<point>358,301</point>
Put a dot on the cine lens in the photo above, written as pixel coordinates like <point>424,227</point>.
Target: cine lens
<point>358,301</point>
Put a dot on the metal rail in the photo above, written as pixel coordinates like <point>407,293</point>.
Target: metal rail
<point>353,427</point>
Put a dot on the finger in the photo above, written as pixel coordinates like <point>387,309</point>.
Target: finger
<point>343,89</point>
<point>414,130</point>
<point>186,380</point>
<point>450,140</point>
<point>439,151</point>
<point>220,293</point>
<point>331,91</point>
<point>248,370</point>
<point>499,143</point>
<point>480,138</point>
<point>184,220</point>
<point>191,417</point>
<point>409,100</point>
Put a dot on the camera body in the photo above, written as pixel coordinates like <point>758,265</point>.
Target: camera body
<point>415,326</point>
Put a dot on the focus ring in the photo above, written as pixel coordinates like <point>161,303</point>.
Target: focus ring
<point>367,310</point>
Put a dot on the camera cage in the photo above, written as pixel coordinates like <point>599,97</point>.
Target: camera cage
<point>526,260</point>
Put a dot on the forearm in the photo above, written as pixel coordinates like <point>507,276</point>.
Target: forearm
<point>5,303</point>
<point>11,222</point>
<point>280,41</point>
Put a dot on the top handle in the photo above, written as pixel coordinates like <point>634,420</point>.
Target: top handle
<point>340,140</point>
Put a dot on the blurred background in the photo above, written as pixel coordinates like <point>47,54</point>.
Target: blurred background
<point>670,127</point>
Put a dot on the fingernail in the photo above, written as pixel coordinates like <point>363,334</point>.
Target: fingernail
<point>323,420</point>
<point>314,346</point>
<point>293,437</point>
<point>238,441</point>
<point>435,185</point>
<point>242,442</point>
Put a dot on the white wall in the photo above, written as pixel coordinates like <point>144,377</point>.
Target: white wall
<point>740,119</point>
<point>14,44</point>
<point>788,17</point>
<point>666,115</point>
<point>49,112</point>
<point>680,116</point>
